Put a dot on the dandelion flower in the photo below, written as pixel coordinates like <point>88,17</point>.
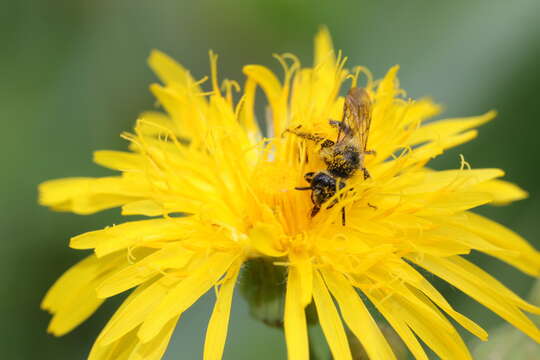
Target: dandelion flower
<point>218,188</point>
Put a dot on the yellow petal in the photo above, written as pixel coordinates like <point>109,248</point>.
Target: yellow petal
<point>167,69</point>
<point>330,321</point>
<point>394,123</point>
<point>245,110</point>
<point>492,283</point>
<point>424,153</point>
<point>173,256</point>
<point>483,288</point>
<point>119,160</point>
<point>433,328</point>
<point>503,192</point>
<point>154,349</point>
<point>77,274</point>
<point>445,128</point>
<point>324,50</point>
<point>418,157</point>
<point>119,350</point>
<point>432,181</point>
<point>86,195</point>
<point>114,238</point>
<point>415,309</point>
<point>451,203</point>
<point>266,80</point>
<point>173,102</point>
<point>302,262</point>
<point>74,312</point>
<point>143,207</point>
<point>186,293</point>
<point>216,332</point>
<point>135,309</point>
<point>305,271</point>
<point>446,235</point>
<point>402,294</point>
<point>519,253</point>
<point>274,92</point>
<point>415,279</point>
<point>264,238</point>
<point>358,318</point>
<point>72,298</point>
<point>154,123</point>
<point>187,110</point>
<point>295,325</point>
<point>386,91</point>
<point>393,316</point>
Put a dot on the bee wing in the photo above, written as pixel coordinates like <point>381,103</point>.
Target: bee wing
<point>356,120</point>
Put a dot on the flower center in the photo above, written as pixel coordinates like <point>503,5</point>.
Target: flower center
<point>274,183</point>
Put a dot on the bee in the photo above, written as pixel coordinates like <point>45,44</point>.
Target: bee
<point>344,156</point>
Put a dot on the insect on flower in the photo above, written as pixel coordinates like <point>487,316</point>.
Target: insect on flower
<point>206,157</point>
<point>344,156</point>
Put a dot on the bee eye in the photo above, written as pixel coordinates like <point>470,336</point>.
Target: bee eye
<point>309,176</point>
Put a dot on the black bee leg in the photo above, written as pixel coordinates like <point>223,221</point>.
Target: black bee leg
<point>370,152</point>
<point>341,126</point>
<point>366,173</point>
<point>315,210</point>
<point>327,143</point>
<point>342,211</point>
<point>303,188</point>
<point>335,123</point>
<point>332,204</point>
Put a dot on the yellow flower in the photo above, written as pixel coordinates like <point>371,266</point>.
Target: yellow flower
<point>209,159</point>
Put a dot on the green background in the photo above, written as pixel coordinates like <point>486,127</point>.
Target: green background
<point>74,75</point>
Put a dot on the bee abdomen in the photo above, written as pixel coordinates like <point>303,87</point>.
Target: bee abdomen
<point>344,163</point>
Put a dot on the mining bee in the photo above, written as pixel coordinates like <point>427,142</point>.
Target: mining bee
<point>344,156</point>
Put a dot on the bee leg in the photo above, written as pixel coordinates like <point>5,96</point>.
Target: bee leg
<point>332,204</point>
<point>315,210</point>
<point>366,173</point>
<point>305,135</point>
<point>302,188</point>
<point>334,123</point>
<point>342,211</point>
<point>291,131</point>
<point>341,126</point>
<point>327,143</point>
<point>370,152</point>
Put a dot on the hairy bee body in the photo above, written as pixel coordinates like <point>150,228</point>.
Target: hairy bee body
<point>342,161</point>
<point>344,156</point>
<point>323,186</point>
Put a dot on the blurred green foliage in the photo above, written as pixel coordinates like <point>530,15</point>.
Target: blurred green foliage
<point>74,76</point>
<point>506,342</point>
